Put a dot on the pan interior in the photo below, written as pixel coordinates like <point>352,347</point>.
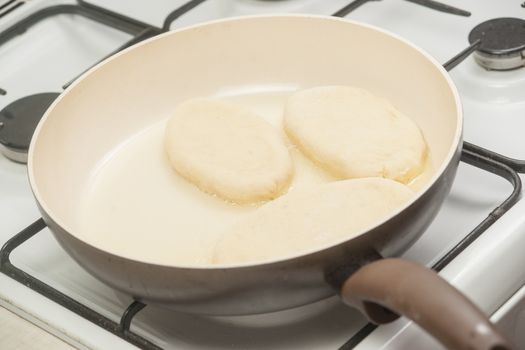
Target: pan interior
<point>123,103</point>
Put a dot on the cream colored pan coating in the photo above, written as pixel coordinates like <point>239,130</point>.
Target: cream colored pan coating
<point>228,150</point>
<point>354,134</point>
<point>310,218</point>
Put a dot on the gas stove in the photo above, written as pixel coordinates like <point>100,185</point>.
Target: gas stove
<point>475,242</point>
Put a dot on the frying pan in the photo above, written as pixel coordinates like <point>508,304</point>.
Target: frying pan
<point>141,85</point>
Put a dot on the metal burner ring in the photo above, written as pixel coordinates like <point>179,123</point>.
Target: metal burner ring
<point>502,43</point>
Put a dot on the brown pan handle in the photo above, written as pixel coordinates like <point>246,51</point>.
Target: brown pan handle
<point>420,294</point>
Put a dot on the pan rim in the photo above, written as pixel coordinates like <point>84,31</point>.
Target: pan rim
<point>421,192</point>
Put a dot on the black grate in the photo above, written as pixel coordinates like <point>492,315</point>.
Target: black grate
<point>121,330</point>
<point>473,155</point>
<point>9,6</point>
<point>431,4</point>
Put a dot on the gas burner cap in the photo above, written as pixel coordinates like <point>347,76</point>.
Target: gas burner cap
<point>502,43</point>
<point>18,121</point>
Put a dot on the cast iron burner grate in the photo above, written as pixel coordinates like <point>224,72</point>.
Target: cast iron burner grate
<point>431,4</point>
<point>494,163</point>
<point>473,155</point>
<point>9,6</point>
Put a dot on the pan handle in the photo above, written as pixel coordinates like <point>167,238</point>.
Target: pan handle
<point>423,296</point>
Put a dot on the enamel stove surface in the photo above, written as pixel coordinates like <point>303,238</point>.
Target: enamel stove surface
<point>491,271</point>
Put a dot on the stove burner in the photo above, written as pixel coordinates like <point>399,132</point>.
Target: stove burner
<point>502,44</point>
<point>18,122</point>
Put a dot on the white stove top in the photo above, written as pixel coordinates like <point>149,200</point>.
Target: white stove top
<point>490,271</point>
